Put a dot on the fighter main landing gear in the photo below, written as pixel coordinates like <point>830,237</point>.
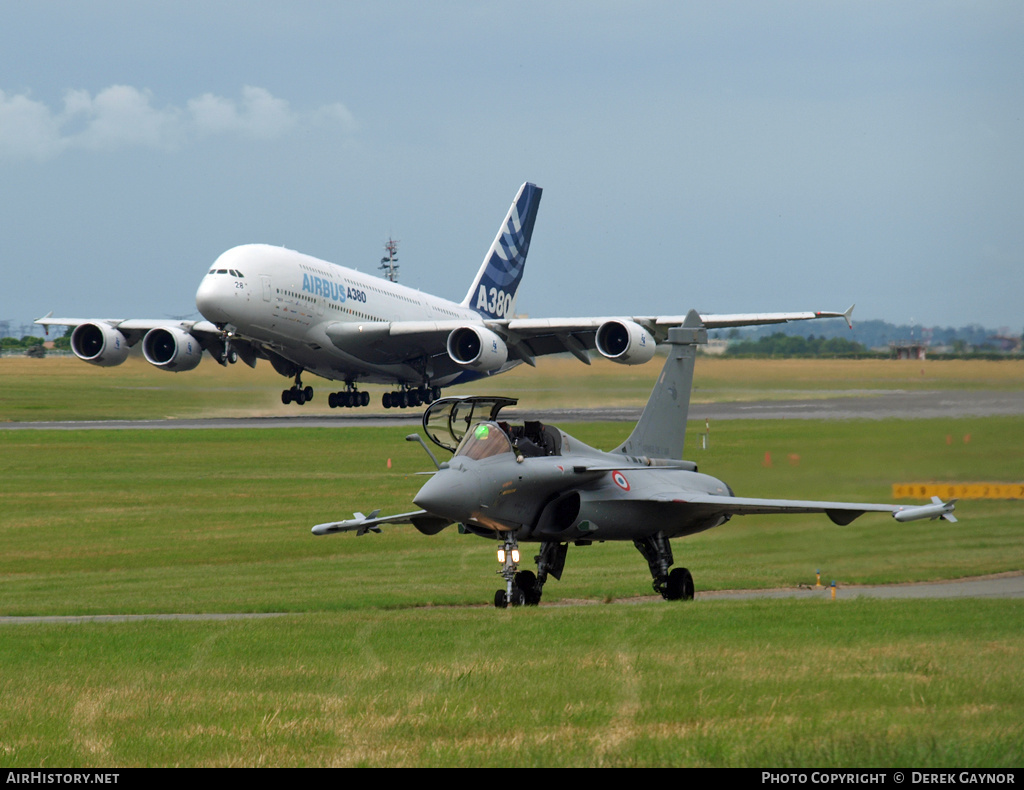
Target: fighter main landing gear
<point>674,586</point>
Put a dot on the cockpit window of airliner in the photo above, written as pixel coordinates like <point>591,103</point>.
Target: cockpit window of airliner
<point>483,441</point>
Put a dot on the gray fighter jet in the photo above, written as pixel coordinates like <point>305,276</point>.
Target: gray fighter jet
<point>536,483</point>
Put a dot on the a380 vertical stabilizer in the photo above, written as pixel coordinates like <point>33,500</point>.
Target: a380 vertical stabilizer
<point>493,292</point>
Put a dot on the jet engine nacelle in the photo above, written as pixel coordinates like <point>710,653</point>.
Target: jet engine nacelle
<point>478,348</point>
<point>170,348</point>
<point>99,344</point>
<point>625,342</point>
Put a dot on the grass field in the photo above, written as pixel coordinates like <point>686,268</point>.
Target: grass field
<point>389,653</point>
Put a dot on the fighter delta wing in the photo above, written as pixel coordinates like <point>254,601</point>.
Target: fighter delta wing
<point>534,482</point>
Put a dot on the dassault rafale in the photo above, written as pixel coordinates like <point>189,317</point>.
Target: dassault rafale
<point>305,315</point>
<point>534,483</point>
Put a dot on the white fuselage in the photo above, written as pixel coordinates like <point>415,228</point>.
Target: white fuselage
<point>285,301</point>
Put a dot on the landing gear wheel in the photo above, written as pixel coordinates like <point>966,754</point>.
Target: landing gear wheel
<point>297,394</point>
<point>526,582</point>
<point>500,599</point>
<point>679,586</point>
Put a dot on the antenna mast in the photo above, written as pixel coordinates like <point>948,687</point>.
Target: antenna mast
<point>389,263</point>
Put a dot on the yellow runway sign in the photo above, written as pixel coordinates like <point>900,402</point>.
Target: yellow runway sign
<point>947,491</point>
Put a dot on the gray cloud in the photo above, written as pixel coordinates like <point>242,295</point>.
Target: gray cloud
<point>123,116</point>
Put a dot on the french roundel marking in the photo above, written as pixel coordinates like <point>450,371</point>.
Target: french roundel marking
<point>620,480</point>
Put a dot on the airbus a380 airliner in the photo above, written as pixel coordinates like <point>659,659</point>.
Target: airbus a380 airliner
<point>307,315</point>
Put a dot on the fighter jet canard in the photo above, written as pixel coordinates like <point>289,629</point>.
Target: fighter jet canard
<point>305,315</point>
<point>535,483</point>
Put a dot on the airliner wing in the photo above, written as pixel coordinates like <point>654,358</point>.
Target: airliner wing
<point>653,323</point>
<point>135,328</point>
<point>100,337</point>
<point>527,338</point>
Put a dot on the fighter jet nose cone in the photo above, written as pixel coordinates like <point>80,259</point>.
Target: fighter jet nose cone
<point>450,494</point>
<point>431,496</point>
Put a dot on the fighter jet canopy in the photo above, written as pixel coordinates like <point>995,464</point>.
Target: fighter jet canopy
<point>447,420</point>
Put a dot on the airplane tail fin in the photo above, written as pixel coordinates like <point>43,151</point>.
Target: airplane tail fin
<point>493,292</point>
<point>661,430</point>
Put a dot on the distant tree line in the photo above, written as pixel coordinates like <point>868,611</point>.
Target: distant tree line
<point>31,346</point>
<point>782,345</point>
<point>879,335</point>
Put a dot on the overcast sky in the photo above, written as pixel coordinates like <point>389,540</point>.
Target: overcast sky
<point>725,156</point>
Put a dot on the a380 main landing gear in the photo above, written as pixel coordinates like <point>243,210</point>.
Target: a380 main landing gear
<point>297,394</point>
<point>348,399</point>
<point>352,398</point>
<point>410,397</point>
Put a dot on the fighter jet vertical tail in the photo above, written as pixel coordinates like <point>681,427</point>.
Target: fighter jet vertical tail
<point>493,292</point>
<point>661,431</point>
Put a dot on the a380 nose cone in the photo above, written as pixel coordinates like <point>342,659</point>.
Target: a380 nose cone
<point>210,300</point>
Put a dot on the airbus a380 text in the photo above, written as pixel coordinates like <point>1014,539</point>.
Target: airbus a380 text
<point>303,315</point>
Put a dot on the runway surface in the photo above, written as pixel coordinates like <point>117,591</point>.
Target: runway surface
<point>864,404</point>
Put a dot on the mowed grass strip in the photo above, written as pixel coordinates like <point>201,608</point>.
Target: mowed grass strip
<point>131,521</point>
<point>855,683</point>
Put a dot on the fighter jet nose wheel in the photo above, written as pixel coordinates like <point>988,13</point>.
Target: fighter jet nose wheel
<point>503,599</point>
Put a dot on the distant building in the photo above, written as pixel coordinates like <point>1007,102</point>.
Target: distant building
<point>908,350</point>
<point>715,346</point>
